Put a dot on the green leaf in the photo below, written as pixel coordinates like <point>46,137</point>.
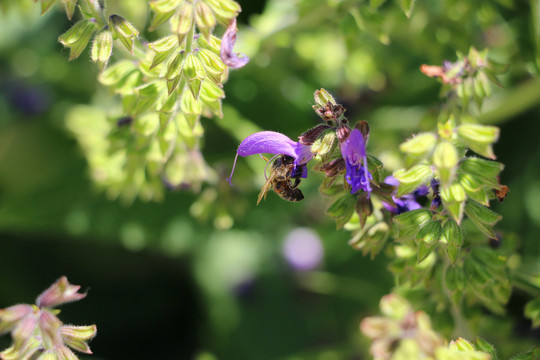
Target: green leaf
<point>483,345</point>
<point>532,311</point>
<point>342,209</point>
<point>46,5</point>
<point>407,6</point>
<point>427,238</point>
<point>532,354</point>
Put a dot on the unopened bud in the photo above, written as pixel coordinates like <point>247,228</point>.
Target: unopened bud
<point>186,18</point>
<point>479,138</point>
<point>76,337</point>
<point>60,292</point>
<point>102,48</point>
<point>420,144</point>
<point>363,126</point>
<point>70,7</point>
<point>205,19</point>
<point>323,98</point>
<point>308,137</point>
<point>323,145</point>
<point>343,132</point>
<point>334,167</point>
<point>126,32</point>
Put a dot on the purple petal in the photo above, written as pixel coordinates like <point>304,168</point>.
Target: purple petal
<point>353,151</point>
<point>271,142</point>
<point>229,58</point>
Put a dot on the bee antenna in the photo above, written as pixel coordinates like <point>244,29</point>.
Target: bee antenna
<point>268,162</point>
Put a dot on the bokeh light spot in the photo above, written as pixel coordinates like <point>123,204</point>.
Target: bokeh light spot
<point>303,249</point>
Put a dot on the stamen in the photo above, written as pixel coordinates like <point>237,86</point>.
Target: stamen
<point>232,171</point>
<point>366,175</point>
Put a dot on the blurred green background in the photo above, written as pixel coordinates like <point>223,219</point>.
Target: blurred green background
<point>209,275</point>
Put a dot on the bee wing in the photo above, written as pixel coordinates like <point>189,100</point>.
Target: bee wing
<point>266,187</point>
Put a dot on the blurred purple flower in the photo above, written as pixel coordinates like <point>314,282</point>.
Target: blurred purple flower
<point>303,249</point>
<point>407,202</point>
<point>232,60</point>
<point>353,151</point>
<point>271,142</point>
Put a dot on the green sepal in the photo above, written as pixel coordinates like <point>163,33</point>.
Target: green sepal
<point>158,19</point>
<point>150,94</point>
<point>126,32</point>
<point>164,6</point>
<point>323,98</point>
<point>163,48</point>
<point>77,37</point>
<point>410,222</point>
<point>473,187</point>
<point>204,18</point>
<point>411,179</point>
<point>407,6</point>
<point>453,198</point>
<point>427,238</point>
<point>189,104</point>
<point>375,167</point>
<point>184,20</point>
<point>24,351</point>
<point>420,144</point>
<point>532,311</point>
<point>211,61</point>
<point>482,217</point>
<point>375,4</point>
<point>46,5</point>
<point>479,138</point>
<point>70,6</point>
<point>116,72</point>
<point>194,72</point>
<point>102,48</point>
<point>324,144</point>
<point>485,170</point>
<point>452,240</point>
<point>224,10</point>
<point>173,67</point>
<point>342,209</point>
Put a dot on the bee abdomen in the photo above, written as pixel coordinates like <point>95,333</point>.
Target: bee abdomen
<point>292,195</point>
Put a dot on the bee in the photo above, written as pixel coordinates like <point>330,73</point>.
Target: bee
<point>280,180</point>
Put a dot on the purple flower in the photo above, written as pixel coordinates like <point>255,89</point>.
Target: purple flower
<point>353,151</point>
<point>229,58</point>
<point>271,142</point>
<point>407,202</point>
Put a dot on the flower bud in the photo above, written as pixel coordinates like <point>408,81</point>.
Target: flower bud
<point>60,292</point>
<point>445,155</point>
<point>204,18</point>
<point>164,6</point>
<point>102,48</point>
<point>420,144</point>
<point>11,315</point>
<point>363,127</point>
<point>224,10</point>
<point>479,138</point>
<point>323,145</point>
<point>343,132</point>
<point>323,98</point>
<point>77,37</point>
<point>308,137</point>
<point>334,167</point>
<point>364,208</point>
<point>185,20</point>
<point>126,32</point>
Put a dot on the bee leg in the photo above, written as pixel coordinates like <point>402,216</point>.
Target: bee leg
<point>296,182</point>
